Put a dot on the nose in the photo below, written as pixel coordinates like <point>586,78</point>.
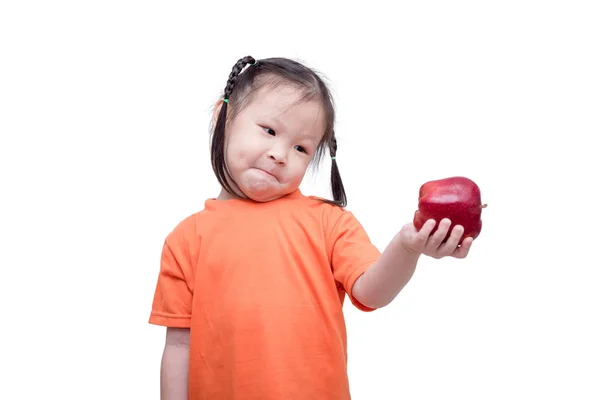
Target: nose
<point>278,155</point>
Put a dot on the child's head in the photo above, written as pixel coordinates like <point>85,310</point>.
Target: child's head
<point>276,118</point>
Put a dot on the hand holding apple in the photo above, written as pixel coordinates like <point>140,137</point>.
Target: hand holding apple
<point>433,243</point>
<point>457,199</point>
<point>448,219</point>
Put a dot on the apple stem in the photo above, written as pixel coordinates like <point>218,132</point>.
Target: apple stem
<point>484,206</point>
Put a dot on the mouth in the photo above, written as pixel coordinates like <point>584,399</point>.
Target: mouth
<point>268,173</point>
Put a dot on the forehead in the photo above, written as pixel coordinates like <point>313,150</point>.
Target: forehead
<point>284,105</point>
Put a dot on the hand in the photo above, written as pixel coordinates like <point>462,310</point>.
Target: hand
<point>431,245</point>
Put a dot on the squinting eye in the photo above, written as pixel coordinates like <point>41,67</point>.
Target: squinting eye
<point>301,149</point>
<point>270,131</point>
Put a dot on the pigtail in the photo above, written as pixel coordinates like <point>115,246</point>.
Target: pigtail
<point>218,139</point>
<point>337,187</point>
<point>218,151</point>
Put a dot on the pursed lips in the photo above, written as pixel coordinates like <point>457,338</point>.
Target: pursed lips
<point>268,173</point>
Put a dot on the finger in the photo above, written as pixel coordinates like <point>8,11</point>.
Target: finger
<point>436,239</point>
<point>464,248</point>
<point>451,244</point>
<point>425,231</point>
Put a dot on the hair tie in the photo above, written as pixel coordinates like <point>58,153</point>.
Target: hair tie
<point>333,157</point>
<point>225,100</point>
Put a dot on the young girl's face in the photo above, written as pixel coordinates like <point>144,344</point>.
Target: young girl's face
<point>270,144</point>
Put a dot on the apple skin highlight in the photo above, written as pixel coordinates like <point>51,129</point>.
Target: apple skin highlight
<point>456,198</point>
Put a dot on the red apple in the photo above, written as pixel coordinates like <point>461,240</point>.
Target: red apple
<point>456,198</point>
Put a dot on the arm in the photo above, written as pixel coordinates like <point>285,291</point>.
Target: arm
<point>386,277</point>
<point>174,365</point>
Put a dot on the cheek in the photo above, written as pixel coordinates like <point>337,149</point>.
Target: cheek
<point>299,168</point>
<point>240,149</point>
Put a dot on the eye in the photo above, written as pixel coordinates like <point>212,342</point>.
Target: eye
<point>301,149</point>
<point>269,131</point>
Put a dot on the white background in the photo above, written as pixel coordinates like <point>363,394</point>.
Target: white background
<point>104,113</point>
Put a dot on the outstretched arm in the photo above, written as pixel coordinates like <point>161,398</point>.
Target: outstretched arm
<point>382,282</point>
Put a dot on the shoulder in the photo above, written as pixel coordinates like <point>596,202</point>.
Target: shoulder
<point>334,217</point>
<point>329,208</point>
<point>322,206</point>
<point>185,229</point>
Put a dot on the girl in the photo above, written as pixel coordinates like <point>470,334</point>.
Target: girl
<point>251,288</point>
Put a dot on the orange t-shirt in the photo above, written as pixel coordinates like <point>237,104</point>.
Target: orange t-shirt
<point>261,285</point>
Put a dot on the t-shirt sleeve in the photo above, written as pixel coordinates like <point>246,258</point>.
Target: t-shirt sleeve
<point>172,303</point>
<point>352,253</point>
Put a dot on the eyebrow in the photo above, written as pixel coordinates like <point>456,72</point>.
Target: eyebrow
<point>308,136</point>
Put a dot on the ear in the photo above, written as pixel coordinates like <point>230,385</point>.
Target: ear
<point>216,111</point>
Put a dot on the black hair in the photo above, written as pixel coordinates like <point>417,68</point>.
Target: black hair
<point>246,77</point>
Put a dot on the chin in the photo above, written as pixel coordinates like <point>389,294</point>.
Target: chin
<point>264,195</point>
<point>264,199</point>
